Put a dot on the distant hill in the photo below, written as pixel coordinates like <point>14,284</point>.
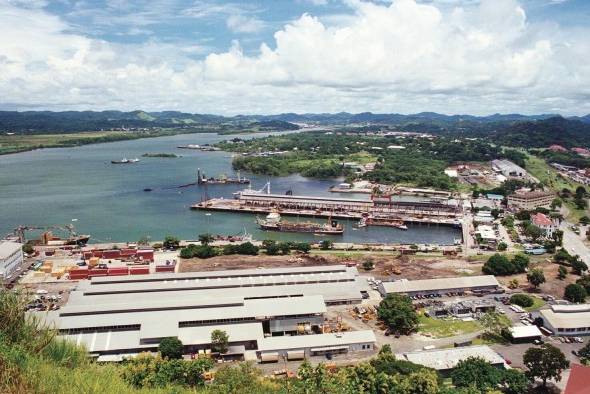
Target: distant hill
<point>542,133</point>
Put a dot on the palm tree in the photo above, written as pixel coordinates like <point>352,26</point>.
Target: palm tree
<point>205,239</point>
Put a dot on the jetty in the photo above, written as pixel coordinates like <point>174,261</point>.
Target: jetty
<point>448,212</point>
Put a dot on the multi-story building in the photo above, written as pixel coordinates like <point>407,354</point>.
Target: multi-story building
<point>11,257</point>
<point>546,224</point>
<point>530,200</point>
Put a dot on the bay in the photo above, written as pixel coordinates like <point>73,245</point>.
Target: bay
<point>80,186</point>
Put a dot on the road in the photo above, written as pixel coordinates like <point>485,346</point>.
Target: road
<point>574,244</point>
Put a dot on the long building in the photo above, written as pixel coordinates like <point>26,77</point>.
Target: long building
<point>445,360</point>
<point>117,316</point>
<point>566,320</point>
<point>529,200</point>
<point>440,285</point>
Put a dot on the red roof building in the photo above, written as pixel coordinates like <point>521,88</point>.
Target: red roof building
<point>579,380</point>
<point>581,151</point>
<point>557,148</point>
<point>544,223</point>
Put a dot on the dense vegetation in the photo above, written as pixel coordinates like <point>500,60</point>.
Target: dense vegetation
<point>421,161</point>
<point>500,265</point>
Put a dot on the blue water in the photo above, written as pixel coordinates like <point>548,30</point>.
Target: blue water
<point>54,186</point>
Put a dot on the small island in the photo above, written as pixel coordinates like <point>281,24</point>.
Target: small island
<point>164,155</point>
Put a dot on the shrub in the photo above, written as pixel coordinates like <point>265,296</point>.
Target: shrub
<point>522,300</point>
<point>502,246</point>
<point>304,247</point>
<point>326,244</point>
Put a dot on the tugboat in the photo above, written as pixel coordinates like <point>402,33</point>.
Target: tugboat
<point>273,222</point>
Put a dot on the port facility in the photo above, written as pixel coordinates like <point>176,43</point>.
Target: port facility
<point>439,285</point>
<point>447,212</point>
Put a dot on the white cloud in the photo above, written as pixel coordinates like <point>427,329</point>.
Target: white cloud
<point>403,57</point>
<point>244,24</point>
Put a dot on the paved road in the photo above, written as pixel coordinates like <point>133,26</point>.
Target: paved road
<point>574,244</point>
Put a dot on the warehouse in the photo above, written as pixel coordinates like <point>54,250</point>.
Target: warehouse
<point>508,168</point>
<point>338,284</point>
<point>440,285</point>
<point>126,315</point>
<point>445,360</point>
<point>302,346</point>
<point>568,320</point>
<point>11,257</point>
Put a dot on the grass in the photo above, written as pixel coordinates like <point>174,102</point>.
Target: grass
<point>550,177</point>
<point>441,328</point>
<point>537,304</point>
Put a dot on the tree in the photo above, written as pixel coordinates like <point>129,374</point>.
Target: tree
<point>561,256</point>
<point>477,372</point>
<point>285,247</point>
<point>575,293</point>
<point>502,246</point>
<point>368,264</point>
<point>171,348</point>
<point>561,272</point>
<point>556,203</point>
<point>272,249</point>
<point>494,323</point>
<point>205,239</point>
<point>544,362</point>
<point>558,237</point>
<point>326,244</point>
<point>580,192</point>
<point>513,382</point>
<point>584,220</point>
<point>303,247</point>
<point>513,284</point>
<point>497,264</point>
<point>219,341</point>
<point>584,353</point>
<point>533,231</point>
<point>520,262</point>
<point>584,281</point>
<point>28,248</point>
<point>495,213</point>
<point>247,248</point>
<point>171,242</point>
<point>398,313</point>
<point>522,300</point>
<point>144,241</point>
<point>578,266</point>
<point>535,277</point>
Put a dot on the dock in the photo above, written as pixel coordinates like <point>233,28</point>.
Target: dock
<point>427,212</point>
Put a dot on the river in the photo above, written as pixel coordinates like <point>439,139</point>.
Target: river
<point>80,186</point>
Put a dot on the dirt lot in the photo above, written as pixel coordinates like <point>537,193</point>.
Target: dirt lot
<point>386,266</point>
<point>552,286</point>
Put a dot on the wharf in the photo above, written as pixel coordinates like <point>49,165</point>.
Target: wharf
<point>225,205</point>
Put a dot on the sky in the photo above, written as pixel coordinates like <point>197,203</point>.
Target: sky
<point>306,56</point>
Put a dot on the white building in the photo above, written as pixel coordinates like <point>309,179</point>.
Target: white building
<point>11,257</point>
<point>445,360</point>
<point>571,320</point>
<point>508,169</point>
<point>440,285</point>
<point>547,225</point>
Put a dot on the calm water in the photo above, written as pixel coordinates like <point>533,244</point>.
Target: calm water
<point>54,186</point>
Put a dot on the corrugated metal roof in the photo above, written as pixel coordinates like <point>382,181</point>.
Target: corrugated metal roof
<point>525,332</point>
<point>439,284</point>
<point>442,359</point>
<point>317,340</point>
<point>568,319</point>
<point>7,248</point>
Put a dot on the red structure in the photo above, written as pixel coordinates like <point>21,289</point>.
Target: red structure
<point>579,380</point>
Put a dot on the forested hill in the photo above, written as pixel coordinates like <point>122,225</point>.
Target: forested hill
<point>543,133</point>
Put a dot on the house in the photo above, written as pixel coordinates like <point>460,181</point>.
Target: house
<point>547,225</point>
<point>581,151</point>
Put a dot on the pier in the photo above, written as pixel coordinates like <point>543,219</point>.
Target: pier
<point>429,212</point>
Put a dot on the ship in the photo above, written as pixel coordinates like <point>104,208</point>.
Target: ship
<point>273,222</point>
<point>370,221</point>
<point>125,161</point>
<point>222,180</point>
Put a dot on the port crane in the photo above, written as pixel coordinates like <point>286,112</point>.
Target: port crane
<point>20,231</point>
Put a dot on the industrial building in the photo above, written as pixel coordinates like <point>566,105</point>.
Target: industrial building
<point>522,334</point>
<point>508,169</point>
<point>11,257</point>
<point>530,200</point>
<point>440,285</point>
<point>566,320</point>
<point>445,360</point>
<point>125,315</point>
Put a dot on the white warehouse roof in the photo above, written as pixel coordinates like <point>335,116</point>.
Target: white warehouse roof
<point>443,359</point>
<point>316,340</point>
<point>7,248</point>
<point>525,332</point>
<point>461,282</point>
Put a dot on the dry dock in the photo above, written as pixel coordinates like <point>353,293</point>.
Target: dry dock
<point>430,212</point>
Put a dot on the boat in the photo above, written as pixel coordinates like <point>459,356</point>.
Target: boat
<point>370,221</point>
<point>125,161</point>
<point>222,180</point>
<point>273,222</point>
<point>148,189</point>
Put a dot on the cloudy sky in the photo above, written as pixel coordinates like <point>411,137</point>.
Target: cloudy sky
<point>273,56</point>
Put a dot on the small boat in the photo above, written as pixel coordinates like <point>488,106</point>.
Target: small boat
<point>125,161</point>
<point>148,189</point>
<point>273,222</point>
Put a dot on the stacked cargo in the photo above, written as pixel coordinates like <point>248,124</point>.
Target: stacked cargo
<point>47,267</point>
<point>97,272</point>
<point>79,273</point>
<point>139,270</point>
<point>118,271</point>
<point>93,261</point>
<point>165,268</point>
<point>146,254</point>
